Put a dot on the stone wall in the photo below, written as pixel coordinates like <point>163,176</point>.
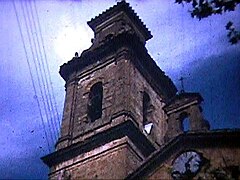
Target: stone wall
<point>113,160</point>
<point>137,86</point>
<point>123,88</point>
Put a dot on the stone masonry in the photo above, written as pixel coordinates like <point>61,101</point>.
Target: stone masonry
<point>121,140</point>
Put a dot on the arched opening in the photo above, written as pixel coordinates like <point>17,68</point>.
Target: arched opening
<point>146,107</point>
<point>147,110</point>
<point>185,122</point>
<point>95,102</point>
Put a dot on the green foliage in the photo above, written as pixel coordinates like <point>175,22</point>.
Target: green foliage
<point>233,34</point>
<point>204,8</point>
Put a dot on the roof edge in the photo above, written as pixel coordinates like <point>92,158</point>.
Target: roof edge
<point>216,138</point>
<point>126,129</point>
<point>121,6</point>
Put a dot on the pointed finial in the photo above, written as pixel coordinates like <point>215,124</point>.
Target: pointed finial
<point>182,85</point>
<point>76,54</point>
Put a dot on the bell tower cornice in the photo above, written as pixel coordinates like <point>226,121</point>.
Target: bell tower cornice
<point>116,20</point>
<point>120,45</point>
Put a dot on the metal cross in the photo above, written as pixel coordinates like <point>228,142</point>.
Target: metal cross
<point>182,85</point>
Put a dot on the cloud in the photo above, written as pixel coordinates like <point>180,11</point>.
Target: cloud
<point>217,78</point>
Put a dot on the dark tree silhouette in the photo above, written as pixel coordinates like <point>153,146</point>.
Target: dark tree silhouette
<point>205,8</point>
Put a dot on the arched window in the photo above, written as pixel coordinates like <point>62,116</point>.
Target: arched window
<point>185,122</point>
<point>147,109</point>
<point>95,102</point>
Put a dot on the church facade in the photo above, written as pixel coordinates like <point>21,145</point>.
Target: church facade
<point>123,117</point>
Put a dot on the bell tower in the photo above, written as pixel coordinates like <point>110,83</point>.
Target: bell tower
<point>113,115</point>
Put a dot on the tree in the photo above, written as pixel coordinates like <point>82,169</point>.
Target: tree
<point>205,8</point>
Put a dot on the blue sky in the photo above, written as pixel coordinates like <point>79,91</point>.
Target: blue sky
<point>182,46</point>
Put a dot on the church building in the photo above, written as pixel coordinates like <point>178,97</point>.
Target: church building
<point>124,119</point>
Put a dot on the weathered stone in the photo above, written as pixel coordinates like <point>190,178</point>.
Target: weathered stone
<point>115,143</point>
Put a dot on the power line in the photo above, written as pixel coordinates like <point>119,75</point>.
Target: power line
<point>31,75</point>
<point>46,73</point>
<point>44,80</point>
<point>37,73</point>
<point>46,61</point>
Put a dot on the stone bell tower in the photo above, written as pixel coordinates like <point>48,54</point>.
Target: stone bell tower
<point>115,93</point>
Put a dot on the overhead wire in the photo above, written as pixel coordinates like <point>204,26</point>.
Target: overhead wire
<point>43,77</point>
<point>37,74</point>
<point>31,74</point>
<point>46,62</point>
